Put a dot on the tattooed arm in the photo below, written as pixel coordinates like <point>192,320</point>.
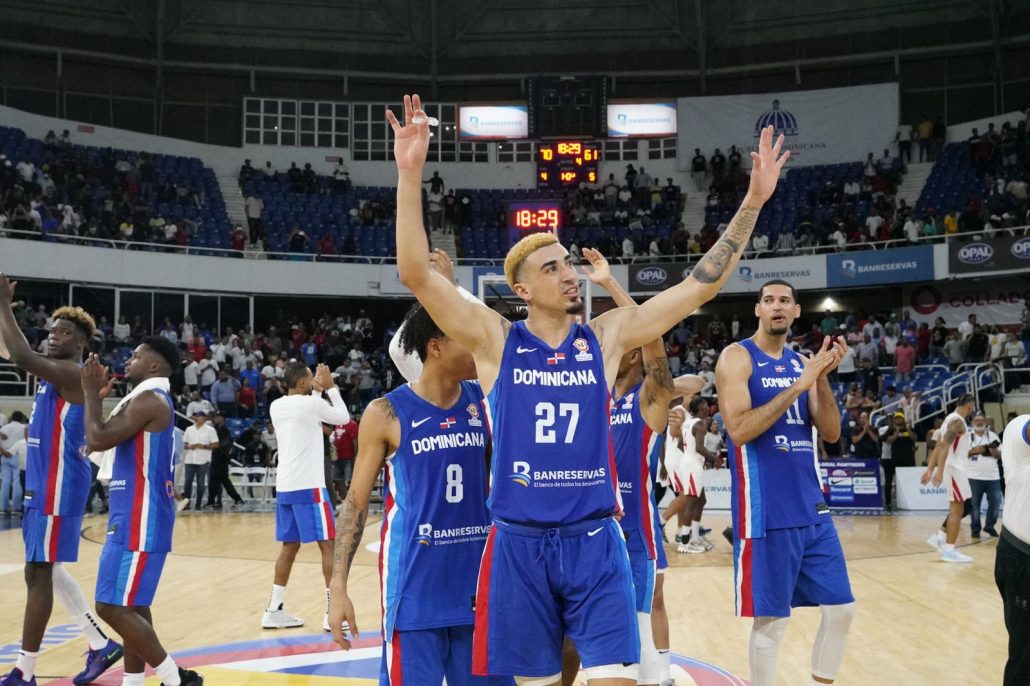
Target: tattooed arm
<point>935,464</point>
<point>378,435</point>
<point>637,326</point>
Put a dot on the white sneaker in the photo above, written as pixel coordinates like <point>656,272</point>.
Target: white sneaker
<point>954,556</point>
<point>280,619</point>
<point>695,547</point>
<point>703,540</point>
<point>936,540</point>
<point>181,505</point>
<point>326,627</point>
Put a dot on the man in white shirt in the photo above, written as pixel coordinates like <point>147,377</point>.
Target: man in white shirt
<point>199,441</point>
<point>984,476</point>
<point>760,243</point>
<point>838,239</point>
<point>965,328</point>
<point>1012,560</point>
<point>198,405</point>
<point>191,372</point>
<point>11,433</point>
<point>872,225</point>
<point>122,331</point>
<point>627,247</point>
<point>208,369</point>
<point>949,464</point>
<point>912,230</point>
<point>254,207</point>
<point>304,510</point>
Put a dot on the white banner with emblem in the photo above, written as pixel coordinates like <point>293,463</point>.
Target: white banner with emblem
<point>913,495</point>
<point>826,126</point>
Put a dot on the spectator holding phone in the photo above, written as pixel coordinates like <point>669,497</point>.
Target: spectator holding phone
<point>984,476</point>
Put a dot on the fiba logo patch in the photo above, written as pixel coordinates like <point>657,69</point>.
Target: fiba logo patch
<point>169,489</point>
<point>520,474</point>
<point>781,120</point>
<point>583,347</point>
<point>473,411</point>
<point>797,365</point>
<point>745,274</point>
<point>848,268</point>
<point>782,444</point>
<point>425,534</point>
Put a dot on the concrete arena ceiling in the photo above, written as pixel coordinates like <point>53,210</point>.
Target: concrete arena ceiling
<point>502,36</point>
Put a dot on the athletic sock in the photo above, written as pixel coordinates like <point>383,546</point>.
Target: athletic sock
<point>276,601</point>
<point>27,664</point>
<point>695,530</point>
<point>684,530</point>
<point>663,666</point>
<point>169,672</point>
<point>133,679</point>
<point>948,547</point>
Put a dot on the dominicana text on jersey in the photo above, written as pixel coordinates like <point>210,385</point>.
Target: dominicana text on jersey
<point>552,454</point>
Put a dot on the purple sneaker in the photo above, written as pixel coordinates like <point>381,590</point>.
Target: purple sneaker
<point>15,679</point>
<point>98,662</point>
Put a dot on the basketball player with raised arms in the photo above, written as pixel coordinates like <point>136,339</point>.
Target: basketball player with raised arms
<point>786,550</point>
<point>141,431</point>
<point>555,562</point>
<point>58,478</point>
<point>432,438</point>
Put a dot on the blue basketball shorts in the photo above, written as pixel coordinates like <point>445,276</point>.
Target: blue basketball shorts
<point>425,657</point>
<point>50,538</point>
<point>128,577</point>
<point>659,545</point>
<point>304,516</point>
<point>538,585</point>
<point>644,570</point>
<point>797,567</point>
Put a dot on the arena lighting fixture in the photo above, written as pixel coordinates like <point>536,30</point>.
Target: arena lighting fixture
<point>829,304</point>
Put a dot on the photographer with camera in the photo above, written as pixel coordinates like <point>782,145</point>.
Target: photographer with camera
<point>984,476</point>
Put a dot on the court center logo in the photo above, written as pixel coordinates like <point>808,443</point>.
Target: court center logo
<point>780,119</point>
<point>425,534</point>
<point>520,474</point>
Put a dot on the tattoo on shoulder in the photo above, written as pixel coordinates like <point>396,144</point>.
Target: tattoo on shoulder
<point>384,405</point>
<point>715,262</point>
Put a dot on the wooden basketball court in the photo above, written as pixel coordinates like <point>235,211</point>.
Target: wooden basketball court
<point>920,621</point>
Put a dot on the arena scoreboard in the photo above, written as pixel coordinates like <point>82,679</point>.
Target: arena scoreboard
<point>564,164</point>
<point>533,216</point>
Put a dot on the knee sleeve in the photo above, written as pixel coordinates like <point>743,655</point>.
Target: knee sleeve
<point>650,665</point>
<point>828,649</point>
<point>763,648</point>
<point>615,671</point>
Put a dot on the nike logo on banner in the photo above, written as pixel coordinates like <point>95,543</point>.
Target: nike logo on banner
<point>594,532</point>
<point>415,425</point>
<point>762,364</point>
<point>521,350</point>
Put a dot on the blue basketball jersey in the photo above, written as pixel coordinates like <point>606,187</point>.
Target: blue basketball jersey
<point>553,462</point>
<point>435,518</point>
<point>142,493</point>
<point>57,472</point>
<point>636,459</point>
<point>775,478</point>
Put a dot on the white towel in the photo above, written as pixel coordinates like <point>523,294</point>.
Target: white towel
<point>105,459</point>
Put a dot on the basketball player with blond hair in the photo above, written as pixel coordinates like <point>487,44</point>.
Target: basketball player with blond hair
<point>555,562</point>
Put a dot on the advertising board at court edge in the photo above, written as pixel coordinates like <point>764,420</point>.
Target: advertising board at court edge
<point>989,255</point>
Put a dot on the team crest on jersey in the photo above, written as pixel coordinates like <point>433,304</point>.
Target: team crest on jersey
<point>627,404</point>
<point>170,489</point>
<point>520,474</point>
<point>448,423</point>
<point>425,534</point>
<point>584,354</point>
<point>797,365</point>
<point>557,358</point>
<point>83,452</point>
<point>473,411</point>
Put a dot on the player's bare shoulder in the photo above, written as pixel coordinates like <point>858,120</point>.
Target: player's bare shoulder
<point>380,410</point>
<point>734,361</point>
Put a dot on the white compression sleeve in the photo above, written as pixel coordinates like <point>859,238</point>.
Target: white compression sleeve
<point>74,602</point>
<point>828,650</point>
<point>763,648</point>
<point>409,365</point>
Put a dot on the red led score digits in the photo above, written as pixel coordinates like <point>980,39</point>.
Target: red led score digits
<point>567,163</point>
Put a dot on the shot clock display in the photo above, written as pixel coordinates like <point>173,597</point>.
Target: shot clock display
<point>560,164</point>
<point>533,216</point>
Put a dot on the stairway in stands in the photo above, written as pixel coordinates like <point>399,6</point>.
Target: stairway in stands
<point>439,239</point>
<point>693,216</point>
<point>911,183</point>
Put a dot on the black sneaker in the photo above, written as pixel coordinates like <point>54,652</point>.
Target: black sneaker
<point>975,534</point>
<point>991,531</point>
<point>190,678</point>
<point>704,531</point>
<point>728,534</point>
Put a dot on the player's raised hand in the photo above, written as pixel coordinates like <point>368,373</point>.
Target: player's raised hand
<point>441,262</point>
<point>6,288</point>
<point>814,367</point>
<point>93,375</point>
<point>410,140</point>
<point>597,270</point>
<point>766,165</point>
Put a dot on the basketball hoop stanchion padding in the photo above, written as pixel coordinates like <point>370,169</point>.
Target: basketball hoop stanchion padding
<point>493,286</point>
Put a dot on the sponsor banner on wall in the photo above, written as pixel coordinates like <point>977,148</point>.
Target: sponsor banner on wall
<point>641,119</point>
<point>804,272</point>
<point>811,121</point>
<point>876,267</point>
<point>989,255</point>
<point>493,122</point>
<point>913,495</point>
<point>851,483</point>
<point>994,301</point>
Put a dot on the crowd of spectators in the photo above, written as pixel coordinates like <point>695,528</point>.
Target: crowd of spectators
<point>101,194</point>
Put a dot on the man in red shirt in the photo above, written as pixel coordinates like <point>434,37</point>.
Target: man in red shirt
<point>904,361</point>
<point>345,439</point>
